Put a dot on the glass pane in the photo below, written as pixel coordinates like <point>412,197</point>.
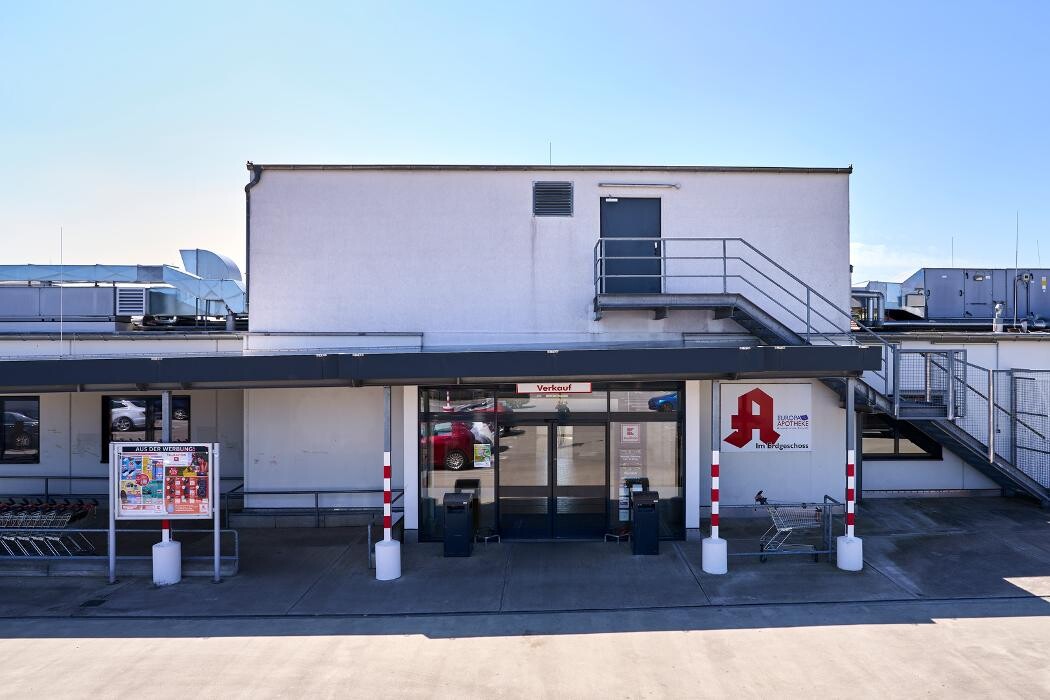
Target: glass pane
<point>21,430</point>
<point>646,454</point>
<point>127,419</point>
<point>524,482</point>
<point>581,455</point>
<point>457,399</point>
<point>593,402</point>
<point>456,456</point>
<point>180,419</point>
<point>579,492</point>
<point>643,401</point>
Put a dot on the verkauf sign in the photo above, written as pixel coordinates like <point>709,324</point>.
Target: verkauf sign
<point>767,417</point>
<point>555,388</point>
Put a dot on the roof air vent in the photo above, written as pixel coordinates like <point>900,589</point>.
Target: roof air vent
<point>131,301</point>
<point>552,199</point>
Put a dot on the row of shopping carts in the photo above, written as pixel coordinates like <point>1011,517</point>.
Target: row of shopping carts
<point>35,527</point>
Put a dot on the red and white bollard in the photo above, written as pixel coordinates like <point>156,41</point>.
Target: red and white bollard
<point>714,551</point>
<point>388,551</point>
<point>850,549</point>
<point>167,558</point>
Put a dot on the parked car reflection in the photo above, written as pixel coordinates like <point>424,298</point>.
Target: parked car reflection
<point>666,403</point>
<point>20,431</point>
<point>127,415</point>
<point>451,444</point>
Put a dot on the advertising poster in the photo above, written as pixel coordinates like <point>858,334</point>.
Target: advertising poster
<point>482,456</point>
<point>155,481</point>
<point>630,462</point>
<point>770,418</point>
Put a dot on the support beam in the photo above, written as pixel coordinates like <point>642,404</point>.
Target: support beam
<point>165,416</point>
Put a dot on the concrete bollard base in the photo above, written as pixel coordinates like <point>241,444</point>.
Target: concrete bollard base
<point>388,560</point>
<point>167,563</point>
<point>850,554</point>
<point>714,555</point>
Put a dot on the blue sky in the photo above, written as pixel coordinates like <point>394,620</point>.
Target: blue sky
<point>129,124</point>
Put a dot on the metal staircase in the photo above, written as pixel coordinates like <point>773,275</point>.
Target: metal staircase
<point>937,391</point>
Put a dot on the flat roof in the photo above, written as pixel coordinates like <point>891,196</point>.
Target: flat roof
<point>554,168</point>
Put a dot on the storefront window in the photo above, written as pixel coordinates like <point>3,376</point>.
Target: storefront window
<point>643,401</point>
<point>457,456</point>
<point>21,439</point>
<point>646,454</point>
<point>562,404</point>
<point>549,464</point>
<point>141,419</point>
<point>885,438</point>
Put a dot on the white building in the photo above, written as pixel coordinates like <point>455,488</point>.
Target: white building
<point>551,333</point>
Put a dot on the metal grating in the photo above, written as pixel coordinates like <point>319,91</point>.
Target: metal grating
<point>552,199</point>
<point>131,301</point>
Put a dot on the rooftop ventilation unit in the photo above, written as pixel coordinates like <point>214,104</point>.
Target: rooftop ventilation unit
<point>131,301</point>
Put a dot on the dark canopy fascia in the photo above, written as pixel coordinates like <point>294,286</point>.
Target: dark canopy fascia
<point>358,369</point>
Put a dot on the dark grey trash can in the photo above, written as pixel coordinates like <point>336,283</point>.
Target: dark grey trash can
<point>645,532</point>
<point>459,524</point>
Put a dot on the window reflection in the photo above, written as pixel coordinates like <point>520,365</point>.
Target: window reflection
<point>457,456</point>
<point>21,437</point>
<point>141,419</point>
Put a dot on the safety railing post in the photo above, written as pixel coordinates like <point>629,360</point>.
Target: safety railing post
<point>991,415</point>
<point>725,270</point>
<point>896,382</point>
<point>951,385</point>
<point>809,309</point>
<point>928,364</point>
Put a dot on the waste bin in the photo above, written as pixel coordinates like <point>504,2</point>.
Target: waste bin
<point>645,535</point>
<point>471,486</point>
<point>459,524</point>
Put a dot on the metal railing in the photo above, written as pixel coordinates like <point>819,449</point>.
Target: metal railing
<point>48,491</point>
<point>734,266</point>
<point>318,508</point>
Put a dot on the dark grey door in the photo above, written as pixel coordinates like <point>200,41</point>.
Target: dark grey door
<point>630,231</point>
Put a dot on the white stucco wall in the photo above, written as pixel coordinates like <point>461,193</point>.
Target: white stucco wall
<point>947,474</point>
<point>326,439</point>
<point>783,476</point>
<point>458,256</point>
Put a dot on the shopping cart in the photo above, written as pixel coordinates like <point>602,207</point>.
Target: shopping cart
<point>33,528</point>
<point>787,520</point>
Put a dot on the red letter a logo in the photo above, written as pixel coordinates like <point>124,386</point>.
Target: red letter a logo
<point>745,421</point>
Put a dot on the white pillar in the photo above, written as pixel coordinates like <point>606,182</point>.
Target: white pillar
<point>410,437</point>
<point>693,454</point>
<point>714,552</point>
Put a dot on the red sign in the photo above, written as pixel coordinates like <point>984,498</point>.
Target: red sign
<point>747,419</point>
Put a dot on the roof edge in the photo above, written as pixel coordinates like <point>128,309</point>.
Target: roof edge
<point>554,168</point>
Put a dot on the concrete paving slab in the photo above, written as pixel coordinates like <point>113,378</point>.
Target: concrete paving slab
<point>430,583</point>
<point>958,566</point>
<point>790,579</point>
<point>596,575</point>
<point>276,571</point>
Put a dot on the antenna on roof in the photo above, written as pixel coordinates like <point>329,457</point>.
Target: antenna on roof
<point>953,251</point>
<point>550,153</point>
<point>61,274</point>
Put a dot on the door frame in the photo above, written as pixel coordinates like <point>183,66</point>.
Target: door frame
<point>659,240</point>
<point>552,424</point>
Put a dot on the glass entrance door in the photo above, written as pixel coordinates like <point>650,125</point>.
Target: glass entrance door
<point>553,481</point>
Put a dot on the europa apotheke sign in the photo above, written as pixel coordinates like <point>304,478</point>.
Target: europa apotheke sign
<point>768,418</point>
<point>555,388</point>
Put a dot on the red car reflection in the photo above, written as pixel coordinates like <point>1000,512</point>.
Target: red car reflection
<point>451,446</point>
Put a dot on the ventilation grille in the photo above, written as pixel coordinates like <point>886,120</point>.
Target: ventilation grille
<point>131,301</point>
<point>552,199</point>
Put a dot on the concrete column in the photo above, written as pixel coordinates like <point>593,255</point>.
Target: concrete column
<point>165,416</point>
<point>410,455</point>
<point>693,452</point>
